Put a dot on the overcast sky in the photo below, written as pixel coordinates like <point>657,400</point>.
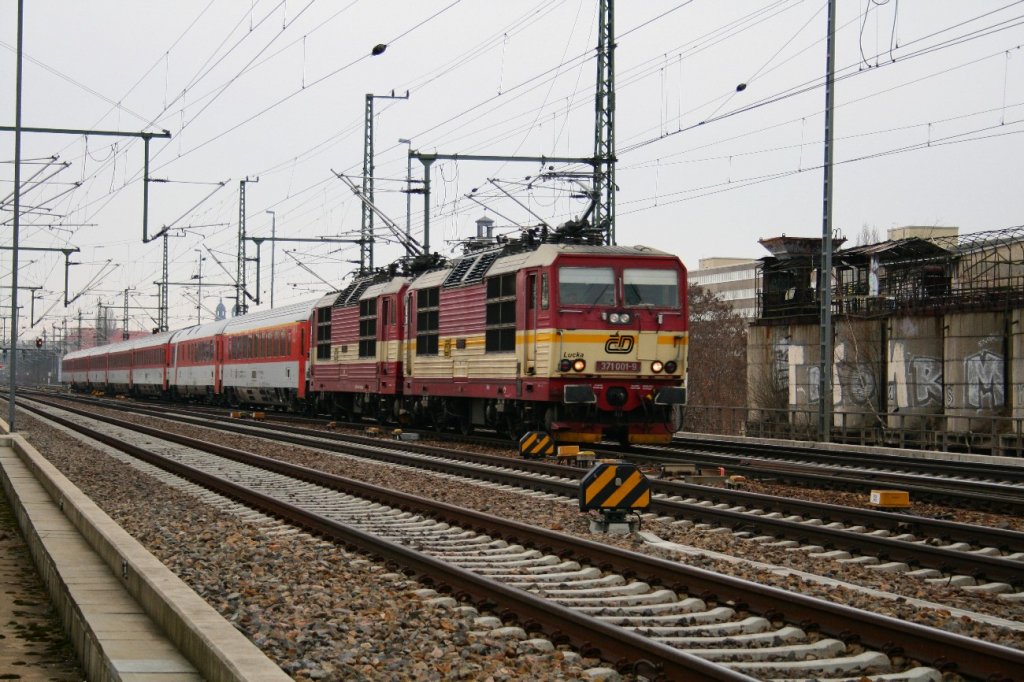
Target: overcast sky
<point>929,104</point>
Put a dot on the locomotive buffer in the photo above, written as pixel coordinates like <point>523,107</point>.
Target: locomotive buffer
<point>616,489</point>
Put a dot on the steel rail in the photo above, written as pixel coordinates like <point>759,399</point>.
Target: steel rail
<point>845,457</point>
<point>629,650</point>
<point>945,650</point>
<point>949,561</point>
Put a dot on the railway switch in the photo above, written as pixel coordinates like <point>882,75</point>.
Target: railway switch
<point>615,489</point>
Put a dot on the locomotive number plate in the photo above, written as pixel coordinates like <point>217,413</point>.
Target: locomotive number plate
<point>617,366</point>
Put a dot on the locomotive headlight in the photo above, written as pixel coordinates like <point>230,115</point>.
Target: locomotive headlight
<point>670,367</point>
<point>657,366</point>
<point>614,318</point>
<point>579,365</point>
<point>624,318</point>
<point>564,365</point>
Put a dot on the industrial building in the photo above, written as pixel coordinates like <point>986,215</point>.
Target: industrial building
<point>928,338</point>
<point>733,280</point>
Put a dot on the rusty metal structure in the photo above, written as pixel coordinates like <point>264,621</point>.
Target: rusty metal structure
<point>929,345</point>
<point>980,271</point>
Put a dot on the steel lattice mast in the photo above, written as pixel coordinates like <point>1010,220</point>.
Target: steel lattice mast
<point>241,307</point>
<point>604,125</point>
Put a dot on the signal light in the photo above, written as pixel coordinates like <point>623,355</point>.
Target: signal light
<point>579,365</point>
<point>657,366</point>
<point>39,343</point>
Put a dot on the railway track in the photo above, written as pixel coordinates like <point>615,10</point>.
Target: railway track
<point>997,487</point>
<point>978,557</point>
<point>654,616</point>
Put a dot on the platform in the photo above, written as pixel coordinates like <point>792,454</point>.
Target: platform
<point>98,578</point>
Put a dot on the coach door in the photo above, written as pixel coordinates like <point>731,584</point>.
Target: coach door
<point>387,348</point>
<point>530,307</point>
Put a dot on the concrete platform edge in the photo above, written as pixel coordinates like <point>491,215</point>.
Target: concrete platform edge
<point>219,651</point>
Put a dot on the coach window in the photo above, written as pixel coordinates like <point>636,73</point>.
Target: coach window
<point>586,286</point>
<point>368,328</point>
<point>500,332</point>
<point>427,320</point>
<point>658,288</point>
<point>545,296</point>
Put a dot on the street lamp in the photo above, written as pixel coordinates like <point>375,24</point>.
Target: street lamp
<point>408,193</point>
<point>273,244</point>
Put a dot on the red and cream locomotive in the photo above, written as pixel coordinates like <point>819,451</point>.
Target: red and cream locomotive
<point>584,341</point>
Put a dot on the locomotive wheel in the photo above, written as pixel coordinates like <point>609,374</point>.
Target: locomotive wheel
<point>513,428</point>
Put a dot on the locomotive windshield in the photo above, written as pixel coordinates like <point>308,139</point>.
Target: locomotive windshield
<point>659,288</point>
<point>586,286</point>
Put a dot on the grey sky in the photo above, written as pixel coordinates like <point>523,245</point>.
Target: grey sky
<point>929,111</point>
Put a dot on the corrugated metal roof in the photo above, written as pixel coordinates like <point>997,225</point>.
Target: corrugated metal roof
<point>268,318</point>
<point>393,286</point>
<point>434,278</point>
<point>913,247</point>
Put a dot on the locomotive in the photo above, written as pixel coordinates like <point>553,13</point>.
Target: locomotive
<point>583,340</point>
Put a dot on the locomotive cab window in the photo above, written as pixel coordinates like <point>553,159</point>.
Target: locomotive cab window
<point>586,286</point>
<point>500,332</point>
<point>658,288</point>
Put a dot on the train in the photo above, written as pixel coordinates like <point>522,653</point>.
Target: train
<point>582,340</point>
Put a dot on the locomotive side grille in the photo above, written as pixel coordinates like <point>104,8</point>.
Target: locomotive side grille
<point>480,267</point>
<point>352,292</point>
<point>454,277</point>
<point>470,269</point>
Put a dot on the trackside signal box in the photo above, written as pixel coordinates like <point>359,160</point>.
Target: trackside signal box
<point>536,444</point>
<point>615,489</point>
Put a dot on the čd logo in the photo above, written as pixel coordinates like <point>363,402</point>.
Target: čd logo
<point>618,344</point>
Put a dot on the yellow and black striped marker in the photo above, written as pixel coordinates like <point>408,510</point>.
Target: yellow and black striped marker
<point>617,486</point>
<point>537,444</point>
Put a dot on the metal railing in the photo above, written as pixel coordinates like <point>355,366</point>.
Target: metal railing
<point>988,434</point>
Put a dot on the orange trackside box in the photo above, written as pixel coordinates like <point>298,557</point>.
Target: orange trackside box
<point>890,498</point>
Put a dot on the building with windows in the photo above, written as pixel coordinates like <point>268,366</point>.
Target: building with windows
<point>734,280</point>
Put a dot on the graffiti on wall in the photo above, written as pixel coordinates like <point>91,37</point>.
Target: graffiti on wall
<point>925,379</point>
<point>857,385</point>
<point>813,390</point>
<point>915,380</point>
<point>983,380</point>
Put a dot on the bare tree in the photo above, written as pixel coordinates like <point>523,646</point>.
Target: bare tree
<point>868,235</point>
<point>717,360</point>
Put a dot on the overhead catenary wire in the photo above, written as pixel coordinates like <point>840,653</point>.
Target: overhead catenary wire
<point>313,202</point>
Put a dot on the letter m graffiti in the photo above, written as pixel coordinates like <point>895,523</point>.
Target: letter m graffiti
<point>983,375</point>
